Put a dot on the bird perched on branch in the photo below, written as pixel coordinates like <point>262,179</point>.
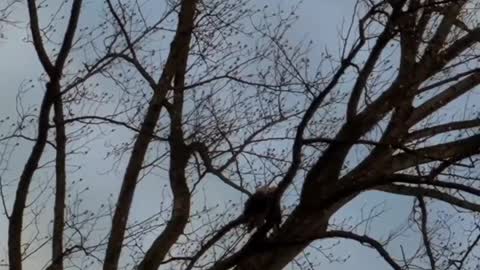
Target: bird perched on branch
<point>263,209</point>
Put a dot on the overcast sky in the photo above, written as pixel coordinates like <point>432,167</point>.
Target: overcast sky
<point>320,20</point>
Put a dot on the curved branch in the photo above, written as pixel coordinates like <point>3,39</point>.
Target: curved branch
<point>232,224</point>
<point>108,120</point>
<point>37,38</point>
<point>68,37</point>
<point>364,239</point>
<point>428,192</point>
<point>426,240</point>
<point>380,44</point>
<point>130,45</point>
<point>202,150</point>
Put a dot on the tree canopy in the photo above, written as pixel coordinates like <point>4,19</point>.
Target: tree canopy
<point>149,123</point>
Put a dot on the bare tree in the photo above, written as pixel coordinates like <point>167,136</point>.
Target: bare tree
<point>201,95</point>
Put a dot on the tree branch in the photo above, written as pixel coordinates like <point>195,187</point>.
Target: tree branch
<point>363,239</point>
<point>456,150</point>
<point>448,127</point>
<point>424,231</point>
<point>427,192</point>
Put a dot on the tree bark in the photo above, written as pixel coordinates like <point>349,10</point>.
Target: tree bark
<point>52,93</point>
<point>60,186</point>
<point>16,218</point>
<point>179,50</point>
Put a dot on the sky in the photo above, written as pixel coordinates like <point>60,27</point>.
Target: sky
<point>319,21</point>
